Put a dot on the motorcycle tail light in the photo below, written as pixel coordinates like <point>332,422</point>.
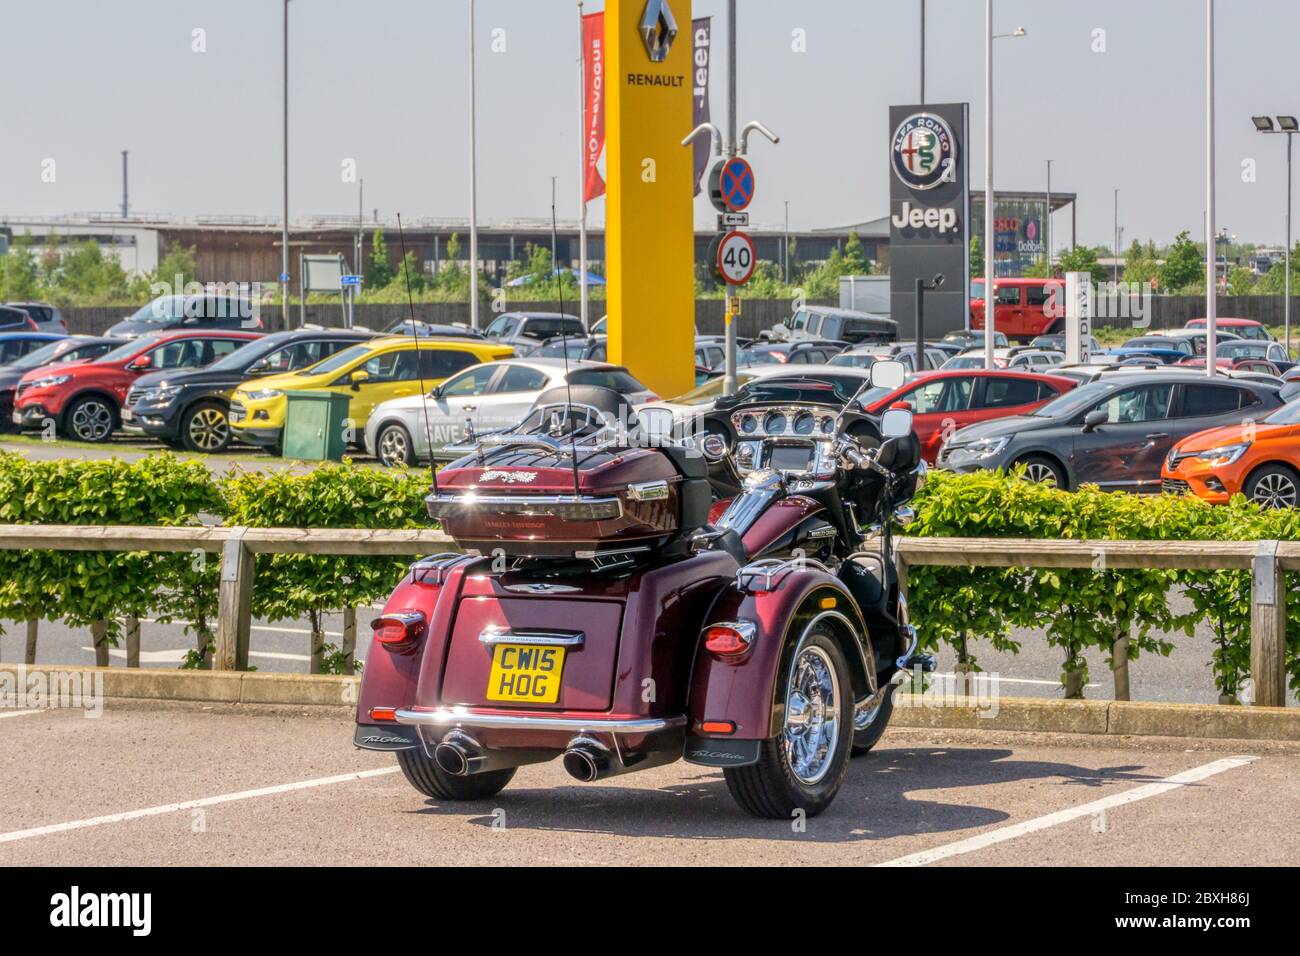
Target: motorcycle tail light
<point>730,641</point>
<point>383,713</point>
<point>717,727</point>
<point>399,631</point>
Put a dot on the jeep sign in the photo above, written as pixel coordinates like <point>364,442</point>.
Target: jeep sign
<point>929,215</point>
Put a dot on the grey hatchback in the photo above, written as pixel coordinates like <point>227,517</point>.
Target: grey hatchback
<point>1113,432</point>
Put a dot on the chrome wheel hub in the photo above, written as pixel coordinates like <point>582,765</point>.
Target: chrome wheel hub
<point>1275,491</point>
<point>811,732</point>
<point>208,429</point>
<point>393,448</point>
<point>91,421</point>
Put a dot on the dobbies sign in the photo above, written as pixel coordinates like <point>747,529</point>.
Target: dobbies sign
<point>929,219</point>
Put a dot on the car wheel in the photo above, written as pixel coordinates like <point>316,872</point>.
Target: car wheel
<point>90,419</point>
<point>205,428</point>
<point>871,720</point>
<point>393,447</point>
<point>1273,486</point>
<point>423,773</point>
<point>1043,471</point>
<point>803,766</point>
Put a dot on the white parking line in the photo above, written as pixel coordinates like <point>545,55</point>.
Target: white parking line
<point>1003,834</point>
<point>17,713</point>
<point>16,835</point>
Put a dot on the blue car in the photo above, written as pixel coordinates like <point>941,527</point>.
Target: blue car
<point>14,345</point>
<point>1135,353</point>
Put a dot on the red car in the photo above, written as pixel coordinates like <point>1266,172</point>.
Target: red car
<point>1024,308</point>
<point>84,400</point>
<point>944,401</point>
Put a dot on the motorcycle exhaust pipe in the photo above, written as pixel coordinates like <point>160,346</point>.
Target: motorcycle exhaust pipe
<point>588,760</point>
<point>460,755</point>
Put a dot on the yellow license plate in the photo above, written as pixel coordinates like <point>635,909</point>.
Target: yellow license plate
<point>528,673</point>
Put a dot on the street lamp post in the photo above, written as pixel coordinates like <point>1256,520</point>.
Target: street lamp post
<point>785,246</point>
<point>990,299</point>
<point>922,286</point>
<point>1288,126</point>
<point>1211,303</point>
<point>284,234</point>
<point>1047,217</point>
<point>473,186</point>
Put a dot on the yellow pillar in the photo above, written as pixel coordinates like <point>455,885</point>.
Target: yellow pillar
<point>649,231</point>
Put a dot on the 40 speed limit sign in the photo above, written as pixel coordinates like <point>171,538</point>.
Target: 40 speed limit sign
<point>732,256</point>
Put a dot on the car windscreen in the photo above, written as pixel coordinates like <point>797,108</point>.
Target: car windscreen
<point>124,352</point>
<point>709,391</point>
<point>1076,400</point>
<point>337,361</point>
<point>246,355</point>
<point>617,379</point>
<point>825,389</point>
<point>41,356</point>
<point>1286,415</point>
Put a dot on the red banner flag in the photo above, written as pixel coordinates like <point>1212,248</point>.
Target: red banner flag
<point>593,102</point>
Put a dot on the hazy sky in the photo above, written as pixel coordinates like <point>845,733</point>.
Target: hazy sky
<point>385,83</point>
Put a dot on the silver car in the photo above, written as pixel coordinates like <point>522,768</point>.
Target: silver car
<point>484,398</point>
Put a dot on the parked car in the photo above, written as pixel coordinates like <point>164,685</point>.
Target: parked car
<point>1240,353</point>
<point>16,320</point>
<point>1261,462</point>
<point>1056,341</point>
<point>84,399</point>
<point>944,401</point>
<point>966,339</point>
<point>866,356</point>
<point>803,352</point>
<point>1246,328</point>
<point>190,408</point>
<point>1024,308</point>
<point>1189,338</point>
<point>702,398</point>
<point>14,345</point>
<point>1039,359</point>
<point>209,310</point>
<point>523,330</point>
<point>47,317</point>
<point>62,349</point>
<point>1113,432</point>
<point>438,330</point>
<point>485,397</point>
<point>368,373</point>
<point>821,323</point>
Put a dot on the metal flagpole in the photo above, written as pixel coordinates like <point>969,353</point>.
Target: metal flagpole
<point>1211,267</point>
<point>582,173</point>
<point>473,187</point>
<point>990,300</point>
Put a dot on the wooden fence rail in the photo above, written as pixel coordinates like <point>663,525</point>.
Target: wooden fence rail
<point>1266,560</point>
<point>238,547</point>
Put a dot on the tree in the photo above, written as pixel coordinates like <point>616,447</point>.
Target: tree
<point>976,256</point>
<point>1273,282</point>
<point>1183,264</point>
<point>22,272</point>
<point>379,271</point>
<point>1082,259</point>
<point>1140,265</point>
<point>854,262</point>
<point>179,267</point>
<point>1241,281</point>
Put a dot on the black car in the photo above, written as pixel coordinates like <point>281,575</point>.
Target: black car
<point>438,330</point>
<point>75,348</point>
<point>189,407</point>
<point>1113,432</point>
<point>210,310</point>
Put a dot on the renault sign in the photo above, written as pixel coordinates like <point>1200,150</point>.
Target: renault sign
<point>929,215</point>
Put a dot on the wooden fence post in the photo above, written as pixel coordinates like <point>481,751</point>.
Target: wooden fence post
<point>234,603</point>
<point>349,640</point>
<point>132,625</point>
<point>1119,665</point>
<point>99,637</point>
<point>1268,627</point>
<point>30,655</point>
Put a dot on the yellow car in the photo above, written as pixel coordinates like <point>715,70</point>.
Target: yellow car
<point>368,373</point>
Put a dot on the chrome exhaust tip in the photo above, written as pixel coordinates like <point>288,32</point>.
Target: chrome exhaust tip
<point>586,759</point>
<point>452,758</point>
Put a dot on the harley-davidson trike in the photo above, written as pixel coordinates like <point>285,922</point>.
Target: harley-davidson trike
<point>626,599</point>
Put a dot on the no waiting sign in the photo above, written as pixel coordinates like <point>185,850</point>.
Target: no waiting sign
<point>733,258</point>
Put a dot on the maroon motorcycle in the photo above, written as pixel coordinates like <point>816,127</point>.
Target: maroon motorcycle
<point>608,612</point>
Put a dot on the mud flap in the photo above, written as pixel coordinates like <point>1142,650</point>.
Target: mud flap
<point>719,752</point>
<point>389,737</point>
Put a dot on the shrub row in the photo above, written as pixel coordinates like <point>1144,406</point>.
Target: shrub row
<point>89,588</point>
<point>1093,608</point>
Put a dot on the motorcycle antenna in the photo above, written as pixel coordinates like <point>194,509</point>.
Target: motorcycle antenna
<point>419,365</point>
<point>564,350</point>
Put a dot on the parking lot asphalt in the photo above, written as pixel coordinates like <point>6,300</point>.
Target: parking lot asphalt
<point>153,784</point>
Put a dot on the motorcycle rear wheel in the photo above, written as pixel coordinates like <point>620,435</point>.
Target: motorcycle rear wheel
<point>424,774</point>
<point>802,768</point>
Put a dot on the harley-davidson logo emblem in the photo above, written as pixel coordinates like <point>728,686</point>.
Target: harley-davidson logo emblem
<point>541,587</point>
<point>509,477</point>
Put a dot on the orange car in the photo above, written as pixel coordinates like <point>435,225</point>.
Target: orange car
<point>1260,460</point>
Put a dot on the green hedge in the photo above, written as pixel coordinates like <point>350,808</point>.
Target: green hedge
<point>87,588</point>
<point>1089,608</point>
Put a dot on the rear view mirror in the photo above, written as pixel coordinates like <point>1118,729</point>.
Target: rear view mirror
<point>142,362</point>
<point>888,374</point>
<point>359,377</point>
<point>896,423</point>
<point>1098,416</point>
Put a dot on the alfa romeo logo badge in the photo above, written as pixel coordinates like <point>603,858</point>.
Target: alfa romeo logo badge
<point>658,29</point>
<point>924,151</point>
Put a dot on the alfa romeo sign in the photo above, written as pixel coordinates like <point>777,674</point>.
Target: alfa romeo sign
<point>924,151</point>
